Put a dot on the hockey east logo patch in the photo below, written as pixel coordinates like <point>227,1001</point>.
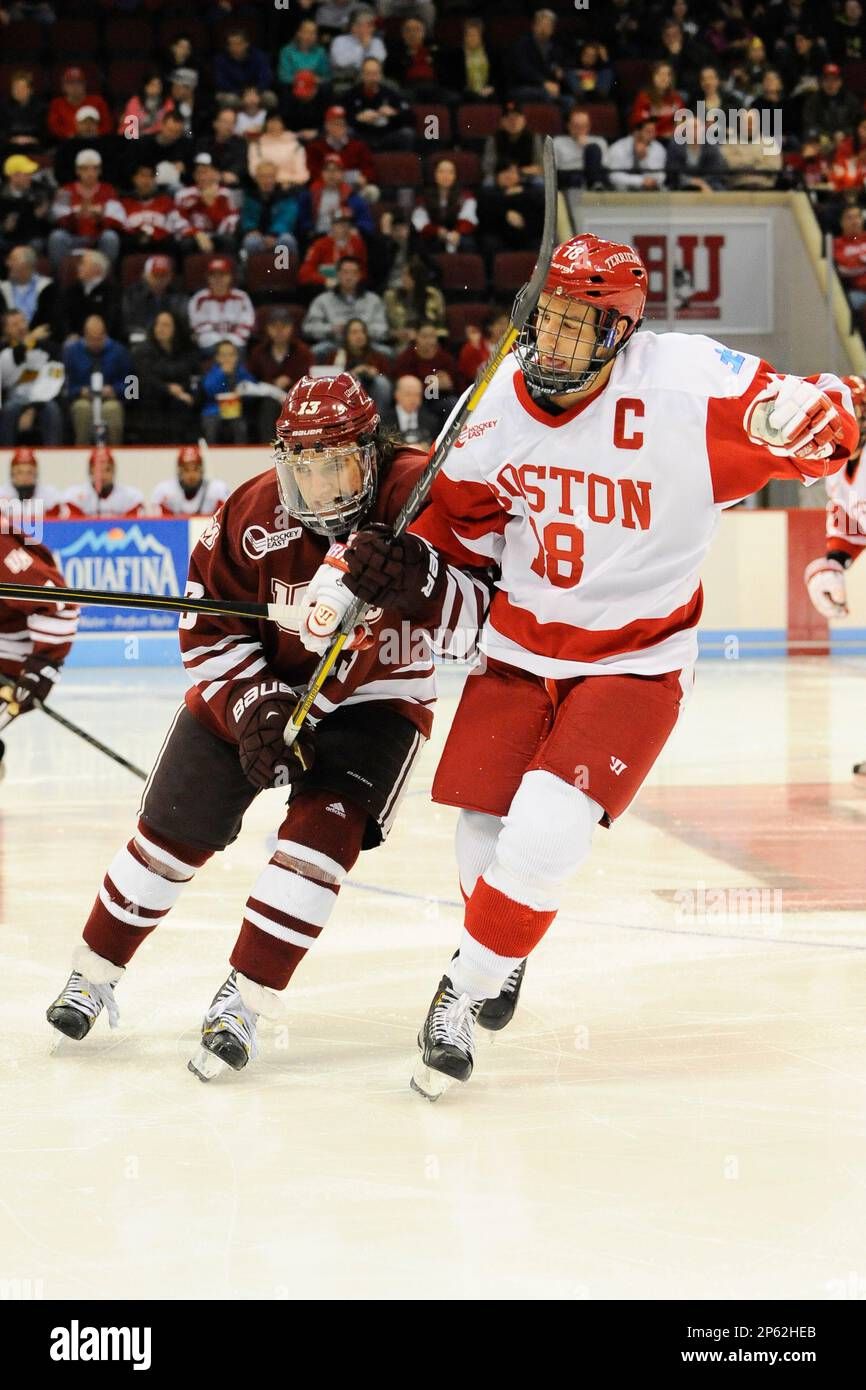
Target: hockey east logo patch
<point>474,432</point>
<point>258,541</point>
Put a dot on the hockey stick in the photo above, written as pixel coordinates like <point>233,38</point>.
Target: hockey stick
<point>12,711</point>
<point>523,307</point>
<point>287,613</point>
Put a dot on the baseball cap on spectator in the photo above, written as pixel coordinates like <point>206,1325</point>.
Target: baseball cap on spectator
<point>511,105</point>
<point>332,159</point>
<point>203,158</point>
<point>218,264</point>
<point>158,265</point>
<point>87,157</point>
<point>73,75</point>
<point>20,164</point>
<point>831,70</point>
<point>335,113</point>
<point>305,83</point>
<point>188,77</point>
<point>88,113</point>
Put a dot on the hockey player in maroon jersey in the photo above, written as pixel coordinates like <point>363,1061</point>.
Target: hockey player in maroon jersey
<point>278,539</point>
<point>35,636</point>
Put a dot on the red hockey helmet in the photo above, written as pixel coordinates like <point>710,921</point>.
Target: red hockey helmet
<point>100,455</point>
<point>23,455</point>
<point>189,453</point>
<point>592,273</point>
<point>326,424</point>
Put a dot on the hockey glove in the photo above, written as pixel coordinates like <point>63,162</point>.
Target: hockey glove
<point>256,719</point>
<point>825,582</point>
<point>794,419</point>
<point>325,605</point>
<point>402,573</point>
<point>35,681</point>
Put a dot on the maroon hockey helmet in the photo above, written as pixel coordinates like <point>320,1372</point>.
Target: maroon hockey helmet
<point>23,455</point>
<point>327,422</point>
<point>587,272</point>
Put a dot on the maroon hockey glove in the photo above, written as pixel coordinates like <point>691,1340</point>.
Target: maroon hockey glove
<point>404,574</point>
<point>256,718</point>
<point>35,682</point>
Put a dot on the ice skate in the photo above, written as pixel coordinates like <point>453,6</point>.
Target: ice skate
<point>496,1014</point>
<point>89,990</point>
<point>228,1033</point>
<point>447,1041</point>
<point>859,769</point>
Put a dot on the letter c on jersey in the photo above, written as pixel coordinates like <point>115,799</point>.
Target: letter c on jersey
<point>625,436</point>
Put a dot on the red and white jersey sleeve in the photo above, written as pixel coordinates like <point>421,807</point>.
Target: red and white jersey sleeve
<point>846,509</point>
<point>31,626</point>
<point>252,551</point>
<point>219,217</point>
<point>600,516</point>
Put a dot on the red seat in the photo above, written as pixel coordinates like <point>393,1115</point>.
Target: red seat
<point>463,273</point>
<point>73,39</point>
<point>467,163</point>
<point>511,270</point>
<point>125,76</point>
<point>543,117</point>
<point>128,37</point>
<point>604,119</point>
<point>195,270</point>
<point>423,127</point>
<point>197,33</point>
<point>263,277</point>
<point>632,74</point>
<point>478,119</point>
<point>24,39</point>
<point>397,169</point>
<point>37,73</point>
<point>854,75</point>
<point>457,316</point>
<point>131,268</point>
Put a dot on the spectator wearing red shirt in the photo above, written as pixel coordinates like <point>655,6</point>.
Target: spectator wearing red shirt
<point>319,266</point>
<point>849,255</point>
<point>87,213</point>
<point>151,218</point>
<point>355,156</point>
<point>659,101</point>
<point>475,352</point>
<point>848,161</point>
<point>61,111</point>
<point>410,63</point>
<point>206,210</point>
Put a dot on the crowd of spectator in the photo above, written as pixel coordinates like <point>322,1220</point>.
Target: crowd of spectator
<point>201,202</point>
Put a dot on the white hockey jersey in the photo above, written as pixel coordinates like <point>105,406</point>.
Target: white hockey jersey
<point>121,501</point>
<point>169,498</point>
<point>600,517</point>
<point>214,317</point>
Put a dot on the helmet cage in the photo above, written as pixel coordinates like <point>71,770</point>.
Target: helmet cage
<point>576,374</point>
<point>341,515</point>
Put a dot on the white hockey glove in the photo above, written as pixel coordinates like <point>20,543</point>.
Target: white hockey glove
<point>326,603</point>
<point>825,584</point>
<point>794,419</point>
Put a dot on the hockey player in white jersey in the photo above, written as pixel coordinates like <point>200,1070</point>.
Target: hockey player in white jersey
<point>846,528</point>
<point>189,493</point>
<point>593,472</point>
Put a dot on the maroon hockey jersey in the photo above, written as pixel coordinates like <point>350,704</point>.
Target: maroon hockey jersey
<point>32,626</point>
<point>253,550</point>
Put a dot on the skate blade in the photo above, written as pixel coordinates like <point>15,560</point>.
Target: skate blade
<point>206,1066</point>
<point>429,1083</point>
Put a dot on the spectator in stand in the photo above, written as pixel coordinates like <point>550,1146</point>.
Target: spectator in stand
<point>179,54</point>
<point>227,147</point>
<point>112,149</point>
<point>334,16</point>
<point>167,367</point>
<point>537,63</point>
<point>330,311</point>
<point>513,142</point>
<point>472,70</point>
<point>579,154</point>
<point>415,300</point>
<point>170,152</point>
<point>801,64</point>
<point>510,216</point>
<point>411,420</point>
<point>303,54</point>
<point>92,293</point>
<point>34,295</point>
<point>475,352</point>
<point>151,220</point>
<point>222,415</point>
<point>62,109</point>
<point>25,204</point>
<point>831,108</point>
<point>637,161</point>
<point>96,352</point>
<point>183,91</point>
<point>283,149</point>
<point>86,213</point>
<point>325,255</point>
<point>357,356</point>
<point>659,101</point>
<point>846,33</point>
<point>594,76</point>
<point>102,495</point>
<point>848,166</point>
<point>149,296</point>
<point>144,113</point>
<point>240,65</point>
<point>693,164</point>
<point>392,9</point>
<point>709,91</point>
<point>445,217</point>
<point>251,116</point>
<point>355,157</point>
<point>348,51</point>
<point>221,311</point>
<point>411,63</point>
<point>34,11</point>
<point>754,66</point>
<point>22,115</point>
<point>269,215</point>
<point>379,112</point>
<point>304,105</point>
<point>280,361</point>
<point>327,197</point>
<point>849,256</point>
<point>770,99</point>
<point>434,366</point>
<point>24,361</point>
<point>206,212</point>
<point>683,54</point>
<point>189,492</point>
<point>24,485</point>
<point>752,161</point>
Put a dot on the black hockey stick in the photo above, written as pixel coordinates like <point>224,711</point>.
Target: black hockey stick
<point>88,738</point>
<point>233,608</point>
<point>523,307</point>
